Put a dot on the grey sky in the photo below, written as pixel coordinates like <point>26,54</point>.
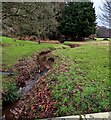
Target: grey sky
<point>97,4</point>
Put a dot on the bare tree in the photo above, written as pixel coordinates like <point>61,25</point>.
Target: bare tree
<point>31,18</point>
<point>105,17</point>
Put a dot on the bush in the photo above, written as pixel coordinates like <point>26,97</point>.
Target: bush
<point>10,92</point>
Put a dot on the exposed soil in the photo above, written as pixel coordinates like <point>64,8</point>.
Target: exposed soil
<point>73,45</point>
<point>29,70</point>
<point>44,53</point>
<point>83,43</point>
<point>50,41</point>
<point>39,99</point>
<point>79,42</point>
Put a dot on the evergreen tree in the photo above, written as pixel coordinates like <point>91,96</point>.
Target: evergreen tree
<point>78,20</point>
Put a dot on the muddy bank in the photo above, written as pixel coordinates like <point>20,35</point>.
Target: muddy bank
<point>73,45</point>
<point>27,72</point>
<point>30,68</point>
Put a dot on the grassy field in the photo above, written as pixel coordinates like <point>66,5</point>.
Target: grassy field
<point>14,50</point>
<point>78,83</point>
<point>83,87</point>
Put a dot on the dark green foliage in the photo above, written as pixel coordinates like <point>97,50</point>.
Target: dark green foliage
<point>10,92</point>
<point>78,20</point>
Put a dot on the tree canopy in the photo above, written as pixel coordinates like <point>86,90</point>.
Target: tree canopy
<point>78,20</point>
<point>48,19</point>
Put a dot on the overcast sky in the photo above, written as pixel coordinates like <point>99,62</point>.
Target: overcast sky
<point>97,4</point>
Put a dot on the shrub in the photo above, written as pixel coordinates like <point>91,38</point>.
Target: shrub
<point>10,92</point>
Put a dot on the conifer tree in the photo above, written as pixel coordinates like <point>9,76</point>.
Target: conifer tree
<point>78,20</point>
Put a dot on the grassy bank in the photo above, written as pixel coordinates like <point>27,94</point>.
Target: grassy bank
<point>78,84</point>
<point>86,80</point>
<point>14,50</point>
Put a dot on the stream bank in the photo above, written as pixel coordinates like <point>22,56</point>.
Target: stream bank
<point>28,72</point>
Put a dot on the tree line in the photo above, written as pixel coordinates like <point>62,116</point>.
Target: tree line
<point>48,20</point>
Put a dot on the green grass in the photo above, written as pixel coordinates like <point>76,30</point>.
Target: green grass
<point>92,59</point>
<point>98,40</point>
<point>79,83</point>
<point>87,68</point>
<point>14,50</point>
<point>9,90</point>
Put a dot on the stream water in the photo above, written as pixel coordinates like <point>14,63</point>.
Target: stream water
<point>6,72</point>
<point>31,83</point>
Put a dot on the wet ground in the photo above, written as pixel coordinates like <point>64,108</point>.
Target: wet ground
<point>30,83</point>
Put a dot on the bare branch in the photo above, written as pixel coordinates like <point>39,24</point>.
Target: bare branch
<point>106,12</point>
